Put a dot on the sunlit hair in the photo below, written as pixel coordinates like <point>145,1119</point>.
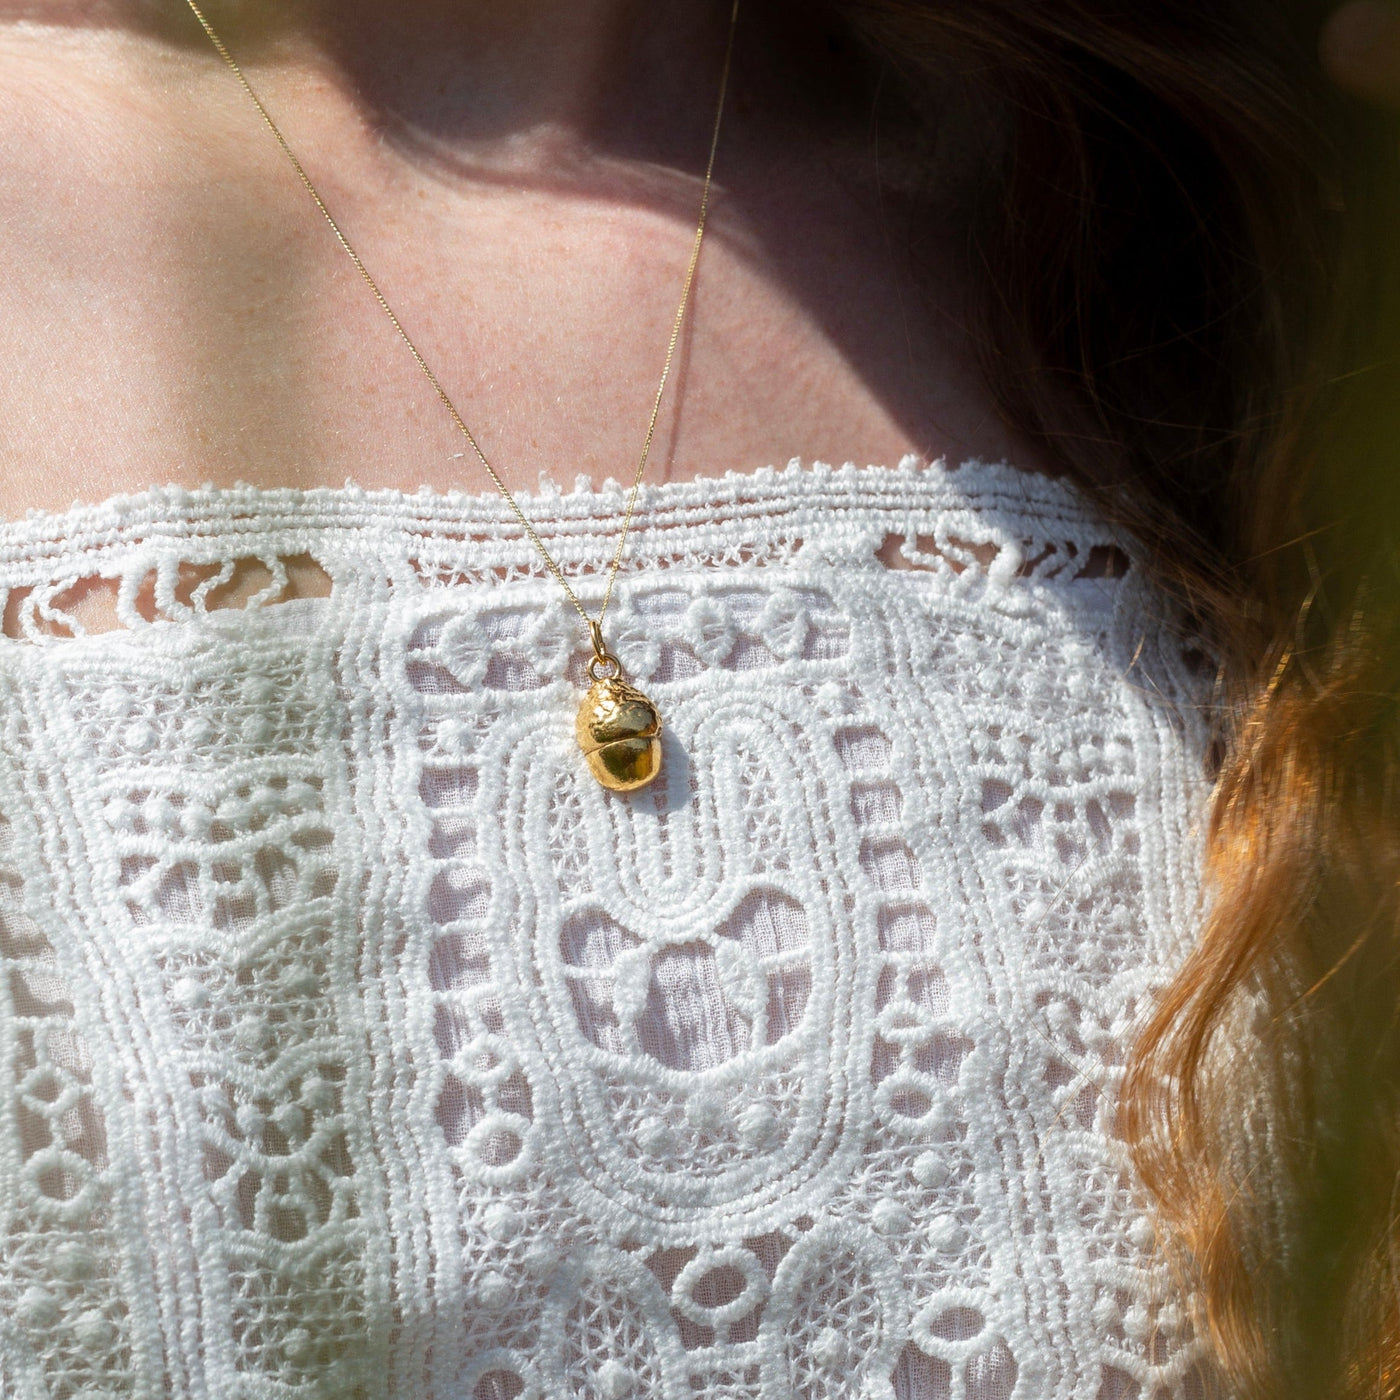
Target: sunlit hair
<point>1184,260</point>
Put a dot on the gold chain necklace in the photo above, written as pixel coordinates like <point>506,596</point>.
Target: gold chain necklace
<point>618,728</point>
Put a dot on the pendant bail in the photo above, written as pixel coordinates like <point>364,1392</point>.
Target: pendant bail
<point>595,632</point>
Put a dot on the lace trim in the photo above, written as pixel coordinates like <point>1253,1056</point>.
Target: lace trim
<point>171,552</point>
<point>354,1042</point>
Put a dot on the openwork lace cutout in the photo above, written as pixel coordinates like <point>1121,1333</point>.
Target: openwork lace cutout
<point>353,1042</point>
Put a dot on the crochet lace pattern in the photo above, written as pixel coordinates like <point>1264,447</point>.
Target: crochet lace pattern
<point>354,1043</point>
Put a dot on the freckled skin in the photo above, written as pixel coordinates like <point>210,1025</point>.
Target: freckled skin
<point>523,181</point>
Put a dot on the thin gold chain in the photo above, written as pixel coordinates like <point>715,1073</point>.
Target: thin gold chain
<point>595,625</point>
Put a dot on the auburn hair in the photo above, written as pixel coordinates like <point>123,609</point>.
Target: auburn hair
<point>1184,282</point>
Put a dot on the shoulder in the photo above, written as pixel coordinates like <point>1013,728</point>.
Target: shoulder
<point>111,135</point>
<point>90,101</point>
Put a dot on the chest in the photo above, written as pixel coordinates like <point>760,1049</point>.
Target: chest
<point>178,309</point>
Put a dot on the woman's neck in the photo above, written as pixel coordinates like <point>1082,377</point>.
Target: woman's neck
<point>541,79</point>
<point>488,67</point>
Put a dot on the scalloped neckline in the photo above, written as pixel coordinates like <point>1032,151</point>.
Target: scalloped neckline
<point>973,480</point>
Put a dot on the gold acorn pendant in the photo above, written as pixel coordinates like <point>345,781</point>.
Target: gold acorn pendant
<point>618,728</point>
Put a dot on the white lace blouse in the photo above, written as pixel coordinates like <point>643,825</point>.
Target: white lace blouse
<point>355,1043</point>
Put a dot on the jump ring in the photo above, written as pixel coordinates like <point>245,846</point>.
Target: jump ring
<point>604,659</point>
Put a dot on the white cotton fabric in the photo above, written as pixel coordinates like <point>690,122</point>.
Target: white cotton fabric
<point>355,1043</point>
